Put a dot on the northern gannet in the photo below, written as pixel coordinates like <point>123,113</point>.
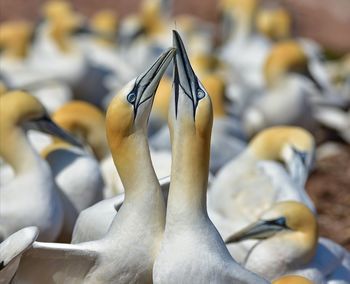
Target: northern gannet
<point>192,250</point>
<point>17,71</point>
<point>254,181</point>
<point>127,252</point>
<point>289,244</point>
<point>30,198</point>
<point>11,250</point>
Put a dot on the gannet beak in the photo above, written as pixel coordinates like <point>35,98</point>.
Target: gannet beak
<point>261,229</point>
<point>147,83</point>
<point>46,125</point>
<point>185,80</point>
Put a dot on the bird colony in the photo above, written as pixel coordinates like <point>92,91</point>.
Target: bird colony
<point>144,151</point>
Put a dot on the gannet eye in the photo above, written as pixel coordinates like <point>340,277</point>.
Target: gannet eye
<point>200,94</point>
<point>131,98</point>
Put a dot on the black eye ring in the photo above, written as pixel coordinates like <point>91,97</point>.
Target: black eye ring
<point>200,94</point>
<point>131,98</point>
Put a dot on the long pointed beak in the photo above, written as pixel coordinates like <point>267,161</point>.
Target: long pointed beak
<point>261,229</point>
<point>46,125</point>
<point>147,83</point>
<point>185,80</point>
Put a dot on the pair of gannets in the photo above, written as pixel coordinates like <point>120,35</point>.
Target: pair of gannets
<point>30,197</point>
<point>289,244</point>
<point>128,251</point>
<point>254,181</point>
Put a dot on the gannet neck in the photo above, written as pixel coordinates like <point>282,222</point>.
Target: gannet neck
<point>273,143</point>
<point>61,38</point>
<point>133,161</point>
<point>189,173</point>
<point>292,279</point>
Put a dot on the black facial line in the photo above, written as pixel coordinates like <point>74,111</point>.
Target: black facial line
<point>281,222</point>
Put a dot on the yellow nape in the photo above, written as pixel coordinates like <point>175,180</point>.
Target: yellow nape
<point>284,57</point>
<point>247,6</point>
<point>215,87</point>
<point>15,37</point>
<point>162,98</point>
<point>292,279</point>
<point>151,16</point>
<point>270,143</point>
<point>56,8</point>
<point>105,23</point>
<point>56,145</point>
<point>274,23</point>
<point>86,121</point>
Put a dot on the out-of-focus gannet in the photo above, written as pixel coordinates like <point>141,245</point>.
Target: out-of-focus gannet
<point>254,181</point>
<point>289,244</point>
<point>192,251</point>
<point>292,279</point>
<point>127,252</point>
<point>30,198</point>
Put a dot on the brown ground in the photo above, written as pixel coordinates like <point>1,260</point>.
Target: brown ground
<point>324,20</point>
<point>329,188</point>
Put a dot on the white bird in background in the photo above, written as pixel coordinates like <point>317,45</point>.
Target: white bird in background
<point>127,252</point>
<point>40,204</point>
<point>192,250</point>
<point>289,244</point>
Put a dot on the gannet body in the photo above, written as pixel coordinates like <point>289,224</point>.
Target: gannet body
<point>192,251</point>
<point>289,244</point>
<point>40,204</point>
<point>127,252</point>
<point>11,250</point>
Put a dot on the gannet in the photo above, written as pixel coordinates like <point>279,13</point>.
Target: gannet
<point>275,24</point>
<point>30,198</point>
<point>192,251</point>
<point>127,252</point>
<point>243,48</point>
<point>54,51</point>
<point>17,71</point>
<point>254,181</point>
<point>11,250</point>
<point>289,244</point>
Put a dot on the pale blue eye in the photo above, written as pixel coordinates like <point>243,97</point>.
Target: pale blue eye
<point>131,98</point>
<point>200,94</point>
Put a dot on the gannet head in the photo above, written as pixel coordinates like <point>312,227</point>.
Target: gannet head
<point>21,109</point>
<point>151,16</point>
<point>190,110</point>
<point>86,121</point>
<point>56,8</point>
<point>129,111</point>
<point>15,37</point>
<point>284,58</point>
<point>274,23</point>
<point>63,21</point>
<point>105,23</point>
<point>292,279</point>
<point>291,220</point>
<point>294,146</point>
